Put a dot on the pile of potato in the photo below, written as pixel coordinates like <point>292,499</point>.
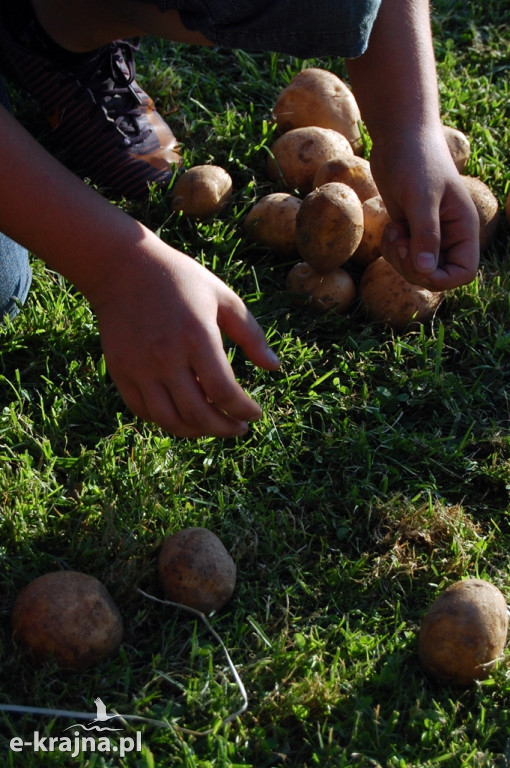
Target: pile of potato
<point>332,217</point>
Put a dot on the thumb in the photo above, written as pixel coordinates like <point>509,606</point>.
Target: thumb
<point>242,328</point>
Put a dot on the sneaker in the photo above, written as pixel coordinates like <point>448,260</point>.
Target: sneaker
<point>105,125</point>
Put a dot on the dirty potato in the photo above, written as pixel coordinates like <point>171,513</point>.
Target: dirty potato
<point>319,97</point>
<point>297,155</point>
<point>464,633</point>
<point>329,226</point>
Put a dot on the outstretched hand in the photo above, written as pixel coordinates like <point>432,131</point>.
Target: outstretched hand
<point>161,328</point>
<point>161,314</point>
<point>433,238</point>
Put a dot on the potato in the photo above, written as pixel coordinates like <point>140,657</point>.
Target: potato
<point>351,170</point>
<point>67,617</point>
<point>463,633</point>
<point>388,298</point>
<point>272,222</point>
<point>196,570</point>
<point>334,290</point>
<point>318,97</point>
<point>201,191</point>
<point>298,154</point>
<point>375,218</point>
<point>459,146</point>
<point>487,206</point>
<point>329,226</point>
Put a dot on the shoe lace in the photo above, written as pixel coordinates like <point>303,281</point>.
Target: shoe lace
<point>109,78</point>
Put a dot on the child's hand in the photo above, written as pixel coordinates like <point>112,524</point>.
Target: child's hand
<point>433,239</point>
<point>160,314</point>
<point>161,321</point>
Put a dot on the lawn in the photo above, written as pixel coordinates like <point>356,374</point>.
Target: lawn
<point>378,475</point>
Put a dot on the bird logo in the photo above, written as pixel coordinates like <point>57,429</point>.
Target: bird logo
<point>101,711</point>
<point>101,717</point>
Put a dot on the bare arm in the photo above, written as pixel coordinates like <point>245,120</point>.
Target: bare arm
<point>434,238</point>
<point>160,313</point>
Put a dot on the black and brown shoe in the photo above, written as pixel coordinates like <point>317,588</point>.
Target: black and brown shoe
<point>103,123</point>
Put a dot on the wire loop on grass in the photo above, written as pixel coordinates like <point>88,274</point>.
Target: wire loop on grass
<point>235,674</point>
<point>26,710</point>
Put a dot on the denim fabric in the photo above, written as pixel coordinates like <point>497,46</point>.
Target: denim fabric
<point>15,272</point>
<point>302,28</point>
<point>15,276</point>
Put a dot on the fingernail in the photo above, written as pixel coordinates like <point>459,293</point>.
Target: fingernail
<point>272,357</point>
<point>425,262</point>
<point>392,234</point>
<point>402,252</point>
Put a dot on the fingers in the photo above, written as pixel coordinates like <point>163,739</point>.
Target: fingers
<point>184,412</point>
<point>210,398</point>
<point>201,396</point>
<point>438,247</point>
<point>169,364</point>
<point>418,259</point>
<point>242,328</point>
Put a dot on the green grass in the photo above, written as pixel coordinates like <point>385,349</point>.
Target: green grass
<point>378,475</point>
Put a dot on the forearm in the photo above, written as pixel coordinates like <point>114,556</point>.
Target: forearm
<point>57,217</point>
<point>395,81</point>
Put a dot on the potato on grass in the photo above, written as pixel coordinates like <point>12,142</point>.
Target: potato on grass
<point>351,170</point>
<point>459,146</point>
<point>335,290</point>
<point>389,298</point>
<point>297,155</point>
<point>375,219</point>
<point>329,226</point>
<point>201,191</point>
<point>463,633</point>
<point>272,222</point>
<point>196,570</point>
<point>67,617</point>
<point>318,97</point>
<point>487,206</point>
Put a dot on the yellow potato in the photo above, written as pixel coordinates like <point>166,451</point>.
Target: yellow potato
<point>201,191</point>
<point>298,154</point>
<point>318,97</point>
<point>196,570</point>
<point>272,222</point>
<point>67,617</point>
<point>351,170</point>
<point>388,298</point>
<point>329,226</point>
<point>463,633</point>
<point>487,206</point>
<point>321,292</point>
<point>459,146</point>
<point>375,218</point>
